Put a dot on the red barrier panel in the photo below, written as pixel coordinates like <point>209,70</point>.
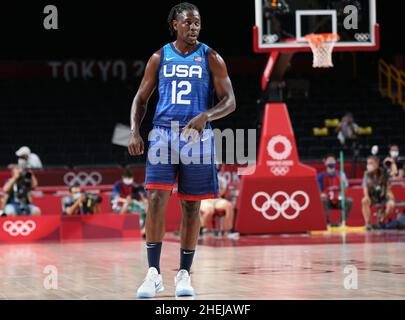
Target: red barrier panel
<point>52,226</point>
<point>59,228</point>
<point>29,229</point>
<point>100,226</point>
<point>355,218</point>
<point>49,204</point>
<point>84,177</point>
<point>282,194</point>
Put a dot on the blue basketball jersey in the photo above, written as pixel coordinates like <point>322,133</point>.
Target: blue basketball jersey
<point>185,86</point>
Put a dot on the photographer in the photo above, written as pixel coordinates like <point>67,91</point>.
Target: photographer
<point>395,167</point>
<point>17,191</point>
<point>128,197</point>
<point>347,131</point>
<point>80,203</point>
<point>28,159</point>
<point>376,191</point>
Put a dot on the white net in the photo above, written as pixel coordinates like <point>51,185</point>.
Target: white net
<point>322,47</point>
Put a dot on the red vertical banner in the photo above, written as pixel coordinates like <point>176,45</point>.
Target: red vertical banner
<point>280,194</point>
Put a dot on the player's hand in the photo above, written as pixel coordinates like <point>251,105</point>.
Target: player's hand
<point>135,146</point>
<point>195,126</point>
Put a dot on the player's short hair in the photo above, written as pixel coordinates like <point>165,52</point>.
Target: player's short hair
<point>176,10</point>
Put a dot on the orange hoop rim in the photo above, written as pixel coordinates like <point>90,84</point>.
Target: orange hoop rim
<point>318,39</point>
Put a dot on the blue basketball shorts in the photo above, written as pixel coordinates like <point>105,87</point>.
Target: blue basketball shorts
<point>191,164</point>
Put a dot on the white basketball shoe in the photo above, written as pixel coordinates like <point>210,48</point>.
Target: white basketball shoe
<point>182,281</point>
<point>152,284</point>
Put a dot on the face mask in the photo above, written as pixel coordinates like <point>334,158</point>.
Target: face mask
<point>370,168</point>
<point>332,165</point>
<point>128,181</point>
<point>77,196</point>
<point>394,154</point>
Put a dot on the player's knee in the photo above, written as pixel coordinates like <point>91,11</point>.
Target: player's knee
<point>156,198</point>
<point>191,207</point>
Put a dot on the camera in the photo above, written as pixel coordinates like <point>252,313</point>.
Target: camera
<point>95,199</point>
<point>25,180</point>
<point>24,186</point>
<point>90,202</point>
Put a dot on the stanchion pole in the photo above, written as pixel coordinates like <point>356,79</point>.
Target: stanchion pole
<point>342,188</point>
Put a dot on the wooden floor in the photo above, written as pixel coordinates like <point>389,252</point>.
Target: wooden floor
<point>276,267</point>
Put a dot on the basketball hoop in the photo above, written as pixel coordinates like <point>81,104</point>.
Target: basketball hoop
<point>322,47</point>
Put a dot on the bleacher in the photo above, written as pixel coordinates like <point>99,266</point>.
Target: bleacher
<point>327,101</point>
<point>71,123</point>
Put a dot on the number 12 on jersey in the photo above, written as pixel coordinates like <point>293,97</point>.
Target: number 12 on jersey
<point>179,90</point>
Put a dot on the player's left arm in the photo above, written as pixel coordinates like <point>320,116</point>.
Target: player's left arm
<point>224,91</point>
<point>223,88</point>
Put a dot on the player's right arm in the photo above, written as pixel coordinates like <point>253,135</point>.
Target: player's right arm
<point>139,105</point>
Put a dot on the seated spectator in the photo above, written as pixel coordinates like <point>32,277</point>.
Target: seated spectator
<point>376,192</point>
<point>17,192</point>
<point>79,202</point>
<point>3,200</point>
<point>395,167</point>
<point>27,159</point>
<point>347,131</point>
<point>210,206</point>
<point>329,183</point>
<point>397,223</point>
<point>130,198</point>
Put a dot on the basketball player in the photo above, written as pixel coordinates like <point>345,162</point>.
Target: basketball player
<point>185,71</point>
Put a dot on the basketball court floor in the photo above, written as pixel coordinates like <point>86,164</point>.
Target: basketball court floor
<point>254,267</point>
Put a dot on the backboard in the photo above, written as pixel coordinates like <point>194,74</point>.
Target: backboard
<point>281,25</point>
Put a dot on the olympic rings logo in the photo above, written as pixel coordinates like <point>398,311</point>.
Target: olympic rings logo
<point>280,208</point>
<point>280,171</point>
<point>270,38</point>
<point>82,178</point>
<point>23,228</point>
<point>272,150</point>
<point>361,37</point>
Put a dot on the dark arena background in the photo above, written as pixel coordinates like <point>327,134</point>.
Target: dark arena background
<point>316,207</point>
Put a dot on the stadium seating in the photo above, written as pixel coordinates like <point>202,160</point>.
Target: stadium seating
<point>71,124</point>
